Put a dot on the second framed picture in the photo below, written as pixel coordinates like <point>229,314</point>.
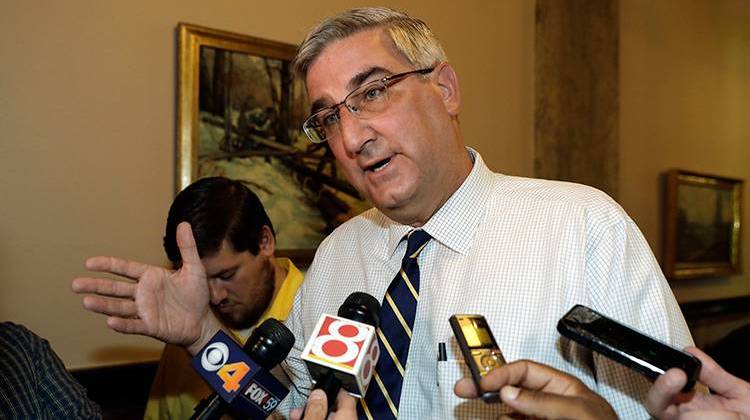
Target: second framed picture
<point>703,225</point>
<point>240,112</point>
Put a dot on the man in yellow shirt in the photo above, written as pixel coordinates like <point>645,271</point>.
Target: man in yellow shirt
<point>247,284</point>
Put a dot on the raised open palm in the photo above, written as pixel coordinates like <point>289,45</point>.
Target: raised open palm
<point>171,306</point>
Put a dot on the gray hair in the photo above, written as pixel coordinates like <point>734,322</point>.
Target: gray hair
<point>412,37</point>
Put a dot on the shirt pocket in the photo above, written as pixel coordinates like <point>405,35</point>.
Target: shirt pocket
<point>452,406</point>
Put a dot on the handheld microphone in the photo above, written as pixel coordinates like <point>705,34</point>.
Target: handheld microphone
<point>343,350</point>
<point>241,377</point>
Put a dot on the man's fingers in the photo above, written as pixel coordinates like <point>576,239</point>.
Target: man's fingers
<point>315,409</point>
<point>346,407</point>
<point>84,285</point>
<point>531,375</point>
<point>296,413</point>
<point>130,269</point>
<point>465,388</point>
<point>103,287</point>
<point>113,307</point>
<point>709,414</point>
<point>542,404</point>
<point>127,326</point>
<point>345,402</point>
<point>525,374</point>
<point>715,377</point>
<point>186,244</point>
<point>662,393</point>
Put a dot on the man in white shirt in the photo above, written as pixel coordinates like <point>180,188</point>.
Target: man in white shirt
<point>520,251</point>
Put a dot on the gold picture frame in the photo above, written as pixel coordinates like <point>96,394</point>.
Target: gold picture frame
<point>239,115</point>
<point>702,225</point>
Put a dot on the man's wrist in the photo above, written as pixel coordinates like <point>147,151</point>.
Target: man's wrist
<point>208,329</point>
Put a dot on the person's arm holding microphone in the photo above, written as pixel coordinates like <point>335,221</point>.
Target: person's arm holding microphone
<point>317,407</point>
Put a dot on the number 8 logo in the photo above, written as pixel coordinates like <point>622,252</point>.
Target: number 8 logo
<point>372,359</point>
<point>334,336</point>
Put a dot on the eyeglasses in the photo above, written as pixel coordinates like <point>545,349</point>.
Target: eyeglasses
<point>364,101</point>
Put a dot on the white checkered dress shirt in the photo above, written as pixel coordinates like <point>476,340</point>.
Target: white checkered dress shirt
<point>519,251</point>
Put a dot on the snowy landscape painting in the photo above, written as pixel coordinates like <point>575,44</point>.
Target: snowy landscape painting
<point>240,112</point>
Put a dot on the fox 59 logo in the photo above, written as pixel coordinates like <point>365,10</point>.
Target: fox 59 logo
<point>215,358</point>
<point>261,397</point>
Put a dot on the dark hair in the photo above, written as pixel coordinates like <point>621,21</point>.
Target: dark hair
<point>217,208</point>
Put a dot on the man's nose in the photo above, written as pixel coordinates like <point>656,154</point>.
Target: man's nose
<point>355,132</point>
<point>218,293</point>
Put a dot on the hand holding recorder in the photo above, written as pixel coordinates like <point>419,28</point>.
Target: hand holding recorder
<point>626,346</point>
<point>730,398</point>
<point>527,387</point>
<point>540,391</point>
<point>479,348</point>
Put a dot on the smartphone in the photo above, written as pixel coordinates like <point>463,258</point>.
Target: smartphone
<point>625,345</point>
<point>479,348</point>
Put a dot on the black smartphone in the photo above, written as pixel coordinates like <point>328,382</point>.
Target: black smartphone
<point>479,348</point>
<point>625,345</point>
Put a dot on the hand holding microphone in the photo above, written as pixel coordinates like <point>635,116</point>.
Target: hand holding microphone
<point>317,407</point>
<point>241,377</point>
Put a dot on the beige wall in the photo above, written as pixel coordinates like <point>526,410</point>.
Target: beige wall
<point>87,92</point>
<point>87,122</point>
<point>685,103</point>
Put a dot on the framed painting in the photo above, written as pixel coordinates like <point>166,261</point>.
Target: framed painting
<point>240,112</point>
<point>703,221</point>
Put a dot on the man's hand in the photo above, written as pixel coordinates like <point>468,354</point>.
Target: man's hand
<point>538,390</point>
<point>730,401</point>
<point>171,306</point>
<point>317,407</point>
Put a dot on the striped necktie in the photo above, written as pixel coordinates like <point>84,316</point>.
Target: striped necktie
<point>397,315</point>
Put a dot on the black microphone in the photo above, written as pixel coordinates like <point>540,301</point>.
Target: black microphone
<point>246,370</point>
<point>343,350</point>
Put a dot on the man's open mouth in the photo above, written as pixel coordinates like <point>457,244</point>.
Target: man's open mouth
<point>379,166</point>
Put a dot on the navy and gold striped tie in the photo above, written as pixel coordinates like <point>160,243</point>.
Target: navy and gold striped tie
<point>397,315</point>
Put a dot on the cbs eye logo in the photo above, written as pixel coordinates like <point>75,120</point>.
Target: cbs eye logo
<point>214,359</point>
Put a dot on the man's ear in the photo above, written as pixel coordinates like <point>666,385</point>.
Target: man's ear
<point>266,242</point>
<point>447,81</point>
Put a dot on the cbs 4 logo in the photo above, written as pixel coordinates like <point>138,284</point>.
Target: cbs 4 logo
<point>214,359</point>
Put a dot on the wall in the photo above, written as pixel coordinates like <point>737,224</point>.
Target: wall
<point>685,97</point>
<point>87,92</point>
<point>87,120</point>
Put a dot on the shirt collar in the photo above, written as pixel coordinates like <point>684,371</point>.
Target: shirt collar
<point>284,298</point>
<point>454,224</point>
